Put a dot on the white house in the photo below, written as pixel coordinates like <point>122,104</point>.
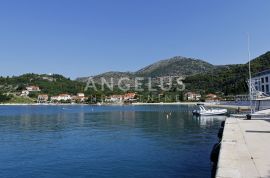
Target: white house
<point>54,98</point>
<point>25,93</point>
<point>64,97</point>
<point>60,97</point>
<point>42,98</point>
<point>261,81</point>
<point>114,98</point>
<point>32,88</point>
<point>191,96</point>
<point>80,94</point>
<point>79,97</point>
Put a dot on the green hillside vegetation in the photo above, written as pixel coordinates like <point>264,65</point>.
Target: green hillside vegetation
<point>18,99</point>
<point>230,79</point>
<point>4,98</point>
<point>49,84</point>
<point>176,66</point>
<point>200,77</point>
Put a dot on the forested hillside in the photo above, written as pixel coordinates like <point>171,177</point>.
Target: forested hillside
<point>229,79</point>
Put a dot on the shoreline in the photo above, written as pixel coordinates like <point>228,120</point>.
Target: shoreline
<point>195,103</point>
<point>133,104</point>
<point>39,104</point>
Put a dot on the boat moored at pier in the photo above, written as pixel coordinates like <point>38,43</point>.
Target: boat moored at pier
<point>202,111</point>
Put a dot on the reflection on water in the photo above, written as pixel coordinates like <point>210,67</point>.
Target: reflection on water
<point>110,141</point>
<point>208,120</point>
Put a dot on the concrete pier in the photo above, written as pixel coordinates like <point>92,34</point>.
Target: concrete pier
<point>245,149</point>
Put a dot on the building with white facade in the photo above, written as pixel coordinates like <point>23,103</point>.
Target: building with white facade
<point>42,98</point>
<point>114,98</point>
<point>61,97</point>
<point>80,97</point>
<point>25,93</point>
<point>32,88</point>
<point>192,96</point>
<point>261,81</point>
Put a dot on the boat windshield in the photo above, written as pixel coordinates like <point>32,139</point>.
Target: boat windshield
<point>202,108</point>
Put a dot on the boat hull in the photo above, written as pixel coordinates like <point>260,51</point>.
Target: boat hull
<point>210,113</point>
<point>213,114</point>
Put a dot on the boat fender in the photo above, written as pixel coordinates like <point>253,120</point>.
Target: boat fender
<point>215,153</point>
<point>222,123</point>
<point>220,133</point>
<point>248,117</point>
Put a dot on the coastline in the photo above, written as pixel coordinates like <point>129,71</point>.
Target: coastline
<point>39,104</point>
<point>134,104</point>
<point>195,103</point>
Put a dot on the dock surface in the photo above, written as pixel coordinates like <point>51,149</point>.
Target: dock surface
<point>245,149</point>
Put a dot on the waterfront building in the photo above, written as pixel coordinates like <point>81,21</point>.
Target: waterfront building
<point>42,98</point>
<point>64,97</point>
<point>261,81</point>
<point>61,97</point>
<point>80,97</point>
<point>192,96</point>
<point>129,97</point>
<point>114,98</point>
<point>80,94</point>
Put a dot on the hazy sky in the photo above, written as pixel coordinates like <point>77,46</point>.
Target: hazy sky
<point>87,37</point>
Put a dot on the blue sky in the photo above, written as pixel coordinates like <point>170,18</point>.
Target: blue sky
<point>87,37</point>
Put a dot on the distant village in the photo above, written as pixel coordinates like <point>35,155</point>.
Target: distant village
<point>127,97</point>
<point>44,98</point>
<point>260,87</point>
<point>79,98</point>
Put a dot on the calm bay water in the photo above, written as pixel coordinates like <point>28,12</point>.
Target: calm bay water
<point>105,141</point>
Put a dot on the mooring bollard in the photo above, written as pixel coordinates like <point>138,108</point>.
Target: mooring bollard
<point>248,117</point>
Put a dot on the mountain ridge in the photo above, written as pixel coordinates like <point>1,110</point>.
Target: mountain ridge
<point>225,80</point>
<point>175,66</point>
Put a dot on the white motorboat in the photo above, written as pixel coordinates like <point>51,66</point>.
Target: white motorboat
<point>209,112</point>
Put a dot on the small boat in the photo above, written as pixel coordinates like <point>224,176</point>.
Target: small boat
<point>208,112</point>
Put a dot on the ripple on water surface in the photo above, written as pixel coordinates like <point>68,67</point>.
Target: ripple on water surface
<point>105,141</point>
